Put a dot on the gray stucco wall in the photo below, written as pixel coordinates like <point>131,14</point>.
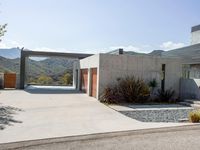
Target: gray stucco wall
<point>145,67</point>
<point>189,89</point>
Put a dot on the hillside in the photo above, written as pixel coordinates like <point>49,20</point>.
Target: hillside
<point>54,68</point>
<point>156,52</point>
<point>10,65</point>
<point>10,53</point>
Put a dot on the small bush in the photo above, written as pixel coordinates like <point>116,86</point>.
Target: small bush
<point>153,84</point>
<point>128,89</point>
<point>194,116</point>
<point>110,95</point>
<point>133,90</point>
<point>165,96</point>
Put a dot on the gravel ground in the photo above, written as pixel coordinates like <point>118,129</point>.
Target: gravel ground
<point>159,115</point>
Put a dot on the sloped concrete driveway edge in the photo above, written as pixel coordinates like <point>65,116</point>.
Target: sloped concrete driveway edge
<point>91,137</point>
<point>50,114</point>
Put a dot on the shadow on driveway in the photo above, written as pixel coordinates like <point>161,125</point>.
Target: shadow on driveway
<point>6,116</point>
<point>51,90</point>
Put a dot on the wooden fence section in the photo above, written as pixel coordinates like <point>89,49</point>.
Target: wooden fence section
<point>9,80</point>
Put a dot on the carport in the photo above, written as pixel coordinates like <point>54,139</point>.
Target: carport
<point>25,53</point>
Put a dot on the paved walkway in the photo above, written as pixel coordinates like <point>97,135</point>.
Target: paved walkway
<point>57,113</point>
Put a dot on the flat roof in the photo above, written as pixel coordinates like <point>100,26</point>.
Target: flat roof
<point>28,53</point>
<point>196,28</point>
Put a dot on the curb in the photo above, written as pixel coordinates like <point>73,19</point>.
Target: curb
<point>24,144</point>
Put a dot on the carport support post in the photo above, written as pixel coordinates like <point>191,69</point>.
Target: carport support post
<point>74,76</point>
<point>22,70</point>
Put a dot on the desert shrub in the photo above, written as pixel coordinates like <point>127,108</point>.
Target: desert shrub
<point>133,90</point>
<point>153,84</point>
<point>128,89</point>
<point>194,116</point>
<point>165,96</point>
<point>66,79</point>
<point>110,95</point>
<point>44,80</point>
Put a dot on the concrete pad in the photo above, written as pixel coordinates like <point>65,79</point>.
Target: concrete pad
<point>60,113</point>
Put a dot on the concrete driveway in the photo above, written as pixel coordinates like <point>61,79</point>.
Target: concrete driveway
<point>57,113</point>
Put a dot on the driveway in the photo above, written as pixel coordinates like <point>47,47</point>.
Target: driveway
<point>57,113</point>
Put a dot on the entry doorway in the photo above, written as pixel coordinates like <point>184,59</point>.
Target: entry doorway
<point>163,77</point>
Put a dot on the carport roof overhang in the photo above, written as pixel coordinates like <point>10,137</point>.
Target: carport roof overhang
<point>28,53</point>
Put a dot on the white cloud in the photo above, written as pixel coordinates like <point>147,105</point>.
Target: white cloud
<point>169,45</point>
<point>3,45</point>
<point>9,44</point>
<point>47,49</point>
<point>136,48</point>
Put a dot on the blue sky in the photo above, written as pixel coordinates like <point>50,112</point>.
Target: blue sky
<point>98,25</point>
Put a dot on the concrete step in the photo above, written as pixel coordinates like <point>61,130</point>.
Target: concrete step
<point>190,104</point>
<point>192,101</point>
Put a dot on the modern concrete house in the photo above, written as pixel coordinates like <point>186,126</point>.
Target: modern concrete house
<point>177,69</point>
<point>100,70</point>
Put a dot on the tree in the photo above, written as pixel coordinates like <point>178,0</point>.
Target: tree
<point>44,80</point>
<point>2,30</point>
<point>66,79</point>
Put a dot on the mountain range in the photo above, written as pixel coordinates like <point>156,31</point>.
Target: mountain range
<point>10,53</point>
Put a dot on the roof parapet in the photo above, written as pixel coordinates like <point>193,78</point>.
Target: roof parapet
<point>119,51</point>
<point>195,28</point>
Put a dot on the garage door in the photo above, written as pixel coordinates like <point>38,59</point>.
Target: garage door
<point>9,80</point>
<point>94,82</point>
<point>84,80</point>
